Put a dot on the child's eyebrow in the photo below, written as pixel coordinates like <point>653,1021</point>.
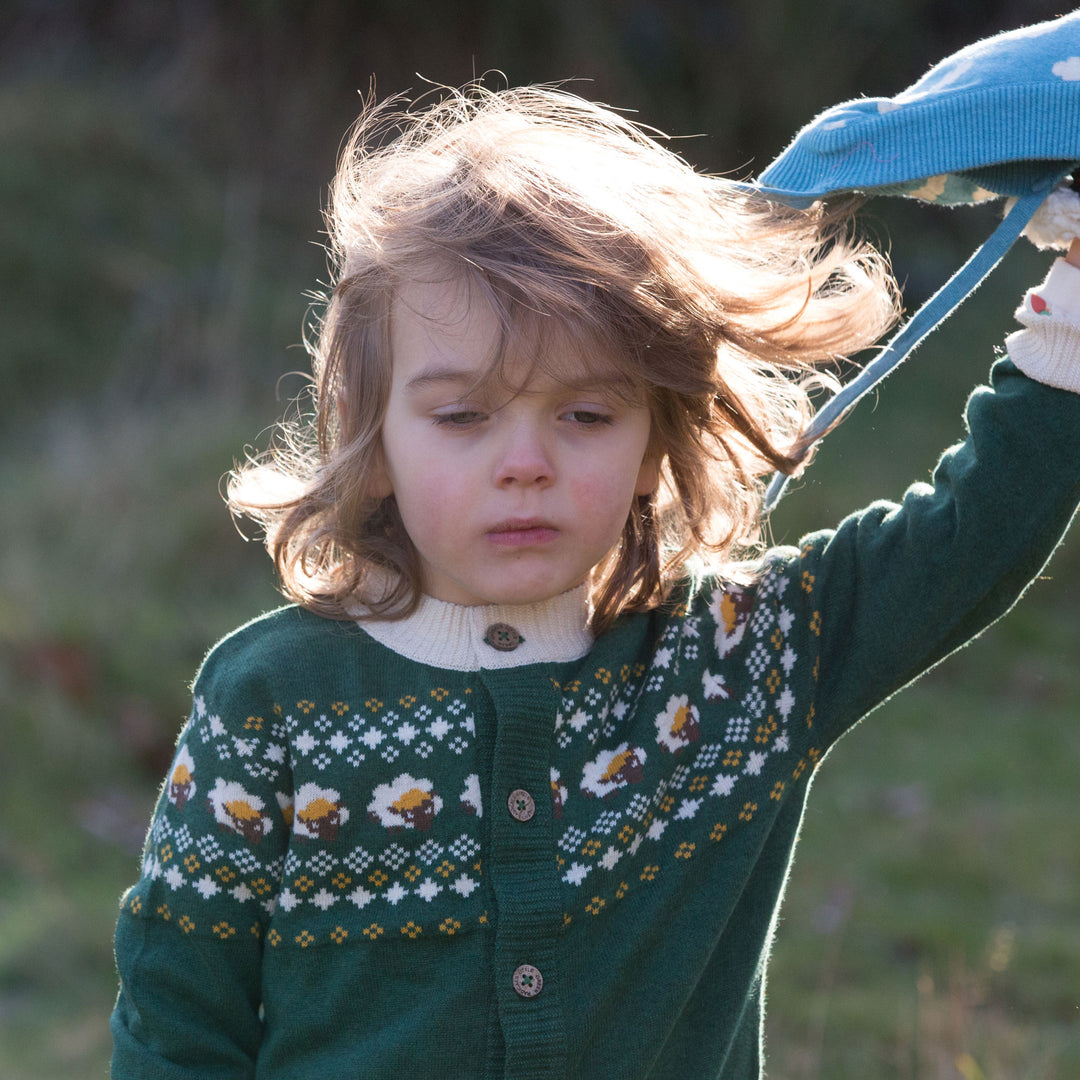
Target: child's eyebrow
<point>613,381</point>
<point>433,376</point>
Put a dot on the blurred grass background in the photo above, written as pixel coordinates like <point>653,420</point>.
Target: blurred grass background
<point>162,169</point>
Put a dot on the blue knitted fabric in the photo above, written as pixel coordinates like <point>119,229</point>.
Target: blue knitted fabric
<point>1000,117</point>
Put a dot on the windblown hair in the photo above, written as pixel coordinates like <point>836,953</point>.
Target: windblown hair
<point>716,303</point>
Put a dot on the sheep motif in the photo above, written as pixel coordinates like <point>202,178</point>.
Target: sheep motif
<point>678,725</point>
<point>613,769</point>
<point>182,779</point>
<point>235,809</point>
<point>319,814</point>
<point>405,803</point>
<point>470,797</point>
<point>731,610</point>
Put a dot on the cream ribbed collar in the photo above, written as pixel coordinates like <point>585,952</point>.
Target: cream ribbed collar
<point>457,637</point>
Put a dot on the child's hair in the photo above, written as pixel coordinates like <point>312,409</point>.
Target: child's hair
<point>715,302</point>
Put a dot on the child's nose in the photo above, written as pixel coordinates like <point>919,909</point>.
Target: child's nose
<point>524,459</point>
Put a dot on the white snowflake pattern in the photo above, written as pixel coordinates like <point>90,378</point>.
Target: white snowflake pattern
<point>406,733</point>
<point>754,763</point>
<point>785,703</point>
<point>394,856</point>
<point>754,702</point>
<point>464,847</point>
<point>358,860</point>
<point>464,885</point>
<point>606,822</point>
<point>360,896</point>
<point>322,862</point>
<point>707,756</point>
<point>738,729</point>
<point>244,861</point>
<point>576,874</point>
<point>324,900</point>
<point>429,851</point>
<point>572,838</point>
<point>758,660</point>
<point>439,728</point>
<point>305,743</point>
<point>428,890</point>
<point>209,848</point>
<point>610,858</point>
<point>724,785</point>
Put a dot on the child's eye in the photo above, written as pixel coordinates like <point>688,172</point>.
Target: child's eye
<point>587,417</point>
<point>458,418</point>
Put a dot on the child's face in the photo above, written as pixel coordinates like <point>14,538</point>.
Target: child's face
<point>508,497</point>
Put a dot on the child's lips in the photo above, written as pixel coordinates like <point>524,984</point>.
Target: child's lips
<point>522,532</point>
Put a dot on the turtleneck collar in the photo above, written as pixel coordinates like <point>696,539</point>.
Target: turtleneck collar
<point>464,638</point>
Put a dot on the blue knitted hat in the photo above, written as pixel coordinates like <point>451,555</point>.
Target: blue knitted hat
<point>998,118</point>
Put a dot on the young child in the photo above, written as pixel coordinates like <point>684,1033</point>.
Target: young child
<point>513,788</point>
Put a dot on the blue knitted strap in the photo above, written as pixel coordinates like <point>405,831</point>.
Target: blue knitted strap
<point>942,304</point>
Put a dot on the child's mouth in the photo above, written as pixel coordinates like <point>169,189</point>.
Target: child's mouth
<point>522,533</point>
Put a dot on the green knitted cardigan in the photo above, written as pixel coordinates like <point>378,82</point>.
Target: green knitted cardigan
<point>438,848</point>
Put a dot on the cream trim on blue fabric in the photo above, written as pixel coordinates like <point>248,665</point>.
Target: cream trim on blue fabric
<point>1048,348</point>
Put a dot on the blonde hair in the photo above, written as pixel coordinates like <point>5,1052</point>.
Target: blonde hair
<point>715,302</point>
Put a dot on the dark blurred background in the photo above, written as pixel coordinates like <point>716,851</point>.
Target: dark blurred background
<point>162,171</point>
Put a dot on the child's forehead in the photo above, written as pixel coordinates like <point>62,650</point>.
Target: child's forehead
<point>449,328</point>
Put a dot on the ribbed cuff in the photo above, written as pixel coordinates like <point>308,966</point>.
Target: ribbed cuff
<point>1048,348</point>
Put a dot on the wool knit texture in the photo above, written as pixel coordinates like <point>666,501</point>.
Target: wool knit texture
<point>1000,117</point>
<point>340,879</point>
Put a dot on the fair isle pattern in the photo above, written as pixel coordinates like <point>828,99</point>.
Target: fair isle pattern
<point>326,821</point>
<point>668,774</point>
<point>296,748</point>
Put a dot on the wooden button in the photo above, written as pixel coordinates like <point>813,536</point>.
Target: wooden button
<point>528,982</point>
<point>503,636</point>
<point>522,805</point>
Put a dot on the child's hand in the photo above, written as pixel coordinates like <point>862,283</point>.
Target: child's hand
<point>1073,256</point>
<point>1057,222</point>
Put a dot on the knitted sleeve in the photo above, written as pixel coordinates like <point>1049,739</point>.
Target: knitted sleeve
<point>898,586</point>
<point>190,933</point>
